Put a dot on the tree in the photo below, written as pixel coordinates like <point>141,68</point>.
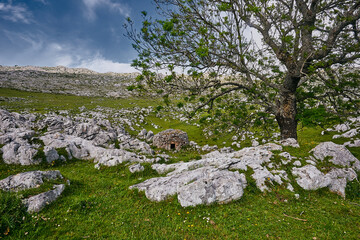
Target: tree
<point>272,51</point>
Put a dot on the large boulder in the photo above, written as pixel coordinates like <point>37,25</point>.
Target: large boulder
<point>20,152</point>
<point>310,178</point>
<point>171,139</point>
<point>28,180</point>
<point>338,155</point>
<point>204,185</point>
<point>219,186</point>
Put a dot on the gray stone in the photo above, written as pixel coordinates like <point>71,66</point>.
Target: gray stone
<point>290,142</point>
<point>51,154</point>
<point>310,178</point>
<point>136,168</point>
<point>339,154</point>
<point>210,185</point>
<point>149,136</point>
<point>339,178</point>
<point>20,153</point>
<point>349,134</point>
<point>342,127</point>
<point>28,180</point>
<point>221,186</point>
<point>38,202</point>
<point>356,143</point>
<point>207,148</point>
<point>254,143</point>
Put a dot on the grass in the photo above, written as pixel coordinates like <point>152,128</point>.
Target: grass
<point>99,205</point>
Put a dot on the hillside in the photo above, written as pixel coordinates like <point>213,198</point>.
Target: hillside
<point>63,80</point>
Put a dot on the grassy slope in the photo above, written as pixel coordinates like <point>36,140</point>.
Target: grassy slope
<point>98,204</point>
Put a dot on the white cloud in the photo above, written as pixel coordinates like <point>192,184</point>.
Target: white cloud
<point>102,65</point>
<point>92,5</point>
<point>15,13</point>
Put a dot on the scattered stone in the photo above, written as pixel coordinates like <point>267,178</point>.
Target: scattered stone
<point>136,168</point>
<point>220,186</point>
<point>292,142</point>
<point>297,163</point>
<point>38,202</point>
<point>356,143</point>
<point>341,127</point>
<point>207,148</point>
<point>254,143</point>
<point>349,134</point>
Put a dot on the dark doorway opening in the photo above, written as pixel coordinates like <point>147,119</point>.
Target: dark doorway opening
<point>172,146</point>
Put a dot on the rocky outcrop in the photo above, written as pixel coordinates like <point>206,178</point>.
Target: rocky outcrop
<point>337,154</point>
<point>310,178</point>
<point>82,138</point>
<point>204,185</point>
<point>76,81</point>
<point>28,180</point>
<point>34,179</point>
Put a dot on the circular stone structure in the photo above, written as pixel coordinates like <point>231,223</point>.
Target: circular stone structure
<point>171,139</point>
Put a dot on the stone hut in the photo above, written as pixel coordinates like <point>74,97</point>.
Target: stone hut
<point>171,139</point>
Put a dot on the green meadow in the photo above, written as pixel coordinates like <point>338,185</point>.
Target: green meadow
<point>99,205</point>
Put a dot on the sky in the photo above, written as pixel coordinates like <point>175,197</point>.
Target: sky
<point>70,33</point>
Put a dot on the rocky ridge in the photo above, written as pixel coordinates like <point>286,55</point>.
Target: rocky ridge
<point>75,81</point>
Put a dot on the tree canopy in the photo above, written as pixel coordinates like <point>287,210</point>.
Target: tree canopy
<point>277,53</point>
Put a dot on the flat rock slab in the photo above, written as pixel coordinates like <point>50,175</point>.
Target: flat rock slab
<point>38,202</point>
<point>28,180</point>
<point>204,185</point>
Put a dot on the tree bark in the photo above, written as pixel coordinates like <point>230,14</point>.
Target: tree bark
<point>286,115</point>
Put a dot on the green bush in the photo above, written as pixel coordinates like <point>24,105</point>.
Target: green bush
<point>352,189</point>
<point>12,213</point>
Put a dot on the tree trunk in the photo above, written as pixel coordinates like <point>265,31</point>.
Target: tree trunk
<point>286,115</point>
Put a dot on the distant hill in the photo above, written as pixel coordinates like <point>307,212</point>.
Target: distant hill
<point>75,81</point>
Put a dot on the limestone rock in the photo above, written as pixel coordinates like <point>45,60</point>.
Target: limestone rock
<point>221,186</point>
<point>171,139</point>
<point>339,154</point>
<point>310,178</point>
<point>136,168</point>
<point>200,186</point>
<point>342,127</point>
<point>51,154</point>
<point>290,142</point>
<point>254,143</point>
<point>356,143</point>
<point>20,152</point>
<point>339,179</point>
<point>38,202</point>
<point>28,180</point>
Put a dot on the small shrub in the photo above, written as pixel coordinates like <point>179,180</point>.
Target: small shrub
<point>352,190</point>
<point>12,213</point>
